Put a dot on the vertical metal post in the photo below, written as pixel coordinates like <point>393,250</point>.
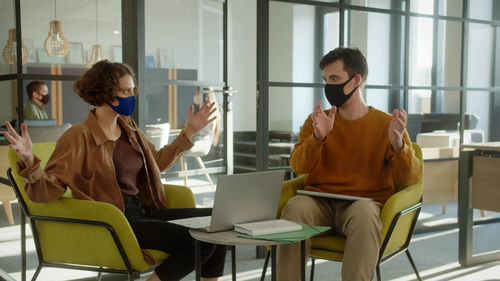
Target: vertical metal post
<point>395,60</point>
<point>273,262</point>
<point>464,208</point>
<point>227,102</point>
<point>406,56</point>
<point>19,65</point>
<point>342,24</point>
<point>463,75</point>
<point>435,95</point>
<point>23,246</point>
<point>197,259</point>
<point>262,140</point>
<point>133,42</point>
<point>233,262</point>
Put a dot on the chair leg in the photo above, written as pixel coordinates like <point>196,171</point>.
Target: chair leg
<point>312,268</point>
<point>413,265</point>
<point>266,263</point>
<point>184,168</point>
<point>99,276</point>
<point>8,211</point>
<point>38,268</point>
<point>200,163</point>
<point>443,208</point>
<point>379,277</point>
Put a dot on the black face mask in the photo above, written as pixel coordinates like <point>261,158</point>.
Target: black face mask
<point>335,93</point>
<point>45,99</point>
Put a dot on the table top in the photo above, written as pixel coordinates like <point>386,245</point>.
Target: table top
<point>483,146</point>
<point>230,238</point>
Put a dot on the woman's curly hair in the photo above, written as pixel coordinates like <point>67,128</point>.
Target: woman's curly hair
<point>100,83</point>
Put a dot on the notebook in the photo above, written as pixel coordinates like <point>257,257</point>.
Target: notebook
<point>240,198</point>
<point>331,195</point>
<point>267,227</point>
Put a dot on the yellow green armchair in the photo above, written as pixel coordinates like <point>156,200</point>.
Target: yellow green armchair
<point>82,234</point>
<point>399,216</point>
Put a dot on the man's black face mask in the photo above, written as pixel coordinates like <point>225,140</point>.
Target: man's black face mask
<point>335,93</point>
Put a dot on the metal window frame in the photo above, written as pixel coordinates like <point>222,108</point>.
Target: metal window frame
<point>399,93</point>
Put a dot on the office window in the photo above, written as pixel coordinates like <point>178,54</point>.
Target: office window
<point>421,37</point>
<point>293,40</point>
<point>380,4</point>
<point>422,6</point>
<point>84,24</point>
<point>451,8</point>
<point>480,55</point>
<point>450,101</point>
<point>419,101</point>
<point>378,98</point>
<point>479,104</point>
<point>449,53</point>
<point>8,100</point>
<point>482,9</point>
<point>379,37</point>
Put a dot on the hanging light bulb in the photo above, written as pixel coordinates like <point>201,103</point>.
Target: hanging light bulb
<point>56,44</point>
<point>97,53</point>
<point>9,53</point>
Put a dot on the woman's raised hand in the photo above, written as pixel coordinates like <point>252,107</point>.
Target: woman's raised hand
<point>22,145</point>
<point>196,122</point>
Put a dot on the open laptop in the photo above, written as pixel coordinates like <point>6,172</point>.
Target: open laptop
<point>240,198</point>
<point>331,195</point>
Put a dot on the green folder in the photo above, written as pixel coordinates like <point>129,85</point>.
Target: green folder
<point>292,236</point>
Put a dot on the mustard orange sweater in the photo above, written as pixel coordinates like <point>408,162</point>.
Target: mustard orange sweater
<point>356,158</point>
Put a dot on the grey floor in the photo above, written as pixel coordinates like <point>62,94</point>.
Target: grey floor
<point>435,253</point>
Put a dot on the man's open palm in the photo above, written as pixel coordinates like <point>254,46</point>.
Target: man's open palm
<point>322,123</point>
<point>397,128</point>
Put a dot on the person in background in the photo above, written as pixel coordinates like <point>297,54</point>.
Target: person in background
<point>38,94</point>
<point>107,158</point>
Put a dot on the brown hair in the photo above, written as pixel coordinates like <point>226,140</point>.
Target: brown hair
<point>34,86</point>
<point>354,61</point>
<point>99,84</point>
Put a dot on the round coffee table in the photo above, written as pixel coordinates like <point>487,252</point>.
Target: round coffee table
<point>230,238</point>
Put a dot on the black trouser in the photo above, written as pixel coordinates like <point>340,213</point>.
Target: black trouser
<point>154,232</point>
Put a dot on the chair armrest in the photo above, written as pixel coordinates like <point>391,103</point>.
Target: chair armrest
<point>289,189</point>
<point>179,196</point>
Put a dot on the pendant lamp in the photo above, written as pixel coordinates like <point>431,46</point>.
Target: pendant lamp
<point>97,53</point>
<point>9,53</point>
<point>56,44</point>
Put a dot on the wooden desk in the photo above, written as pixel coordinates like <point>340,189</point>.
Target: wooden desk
<point>479,165</point>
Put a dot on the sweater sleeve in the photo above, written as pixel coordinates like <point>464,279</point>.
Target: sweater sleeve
<point>47,185</point>
<point>406,167</point>
<point>305,154</point>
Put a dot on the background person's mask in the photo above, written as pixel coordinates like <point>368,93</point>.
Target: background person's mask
<point>45,99</point>
<point>126,105</point>
<point>335,93</point>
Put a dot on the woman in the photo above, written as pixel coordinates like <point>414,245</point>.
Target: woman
<point>107,158</point>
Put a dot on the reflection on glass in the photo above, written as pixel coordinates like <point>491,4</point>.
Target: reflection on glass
<point>79,30</point>
<point>8,23</point>
<point>421,37</point>
<point>375,38</point>
<point>451,8</point>
<point>449,53</point>
<point>422,6</point>
<point>482,9</point>
<point>481,56</point>
<point>419,101</point>
<point>185,35</point>
<point>8,101</point>
<point>292,42</point>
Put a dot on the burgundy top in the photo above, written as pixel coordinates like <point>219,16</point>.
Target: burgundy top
<point>129,166</point>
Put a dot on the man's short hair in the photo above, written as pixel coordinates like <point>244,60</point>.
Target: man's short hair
<point>34,86</point>
<point>354,61</point>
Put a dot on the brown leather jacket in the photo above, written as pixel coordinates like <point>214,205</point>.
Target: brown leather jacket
<point>83,161</point>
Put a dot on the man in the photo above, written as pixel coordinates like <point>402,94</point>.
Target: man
<point>351,149</point>
<point>38,94</point>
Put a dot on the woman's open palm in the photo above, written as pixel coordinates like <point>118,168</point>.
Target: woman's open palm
<point>22,145</point>
<point>205,115</point>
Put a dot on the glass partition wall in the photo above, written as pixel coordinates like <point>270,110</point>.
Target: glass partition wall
<point>436,59</point>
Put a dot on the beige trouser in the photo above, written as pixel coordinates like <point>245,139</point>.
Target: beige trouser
<point>358,221</point>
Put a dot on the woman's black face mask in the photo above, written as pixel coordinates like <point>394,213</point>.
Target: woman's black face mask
<point>335,93</point>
